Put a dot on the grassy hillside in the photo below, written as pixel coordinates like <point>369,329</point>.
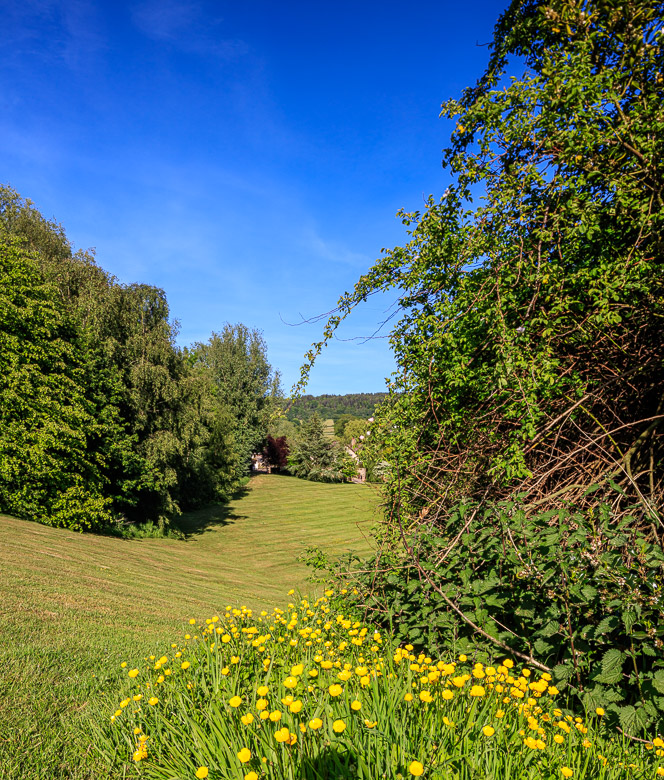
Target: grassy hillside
<point>74,606</point>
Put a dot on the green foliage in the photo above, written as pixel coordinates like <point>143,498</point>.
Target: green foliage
<point>524,431</point>
<point>576,593</point>
<point>334,407</point>
<point>313,456</point>
<point>528,350</point>
<point>46,422</point>
<point>355,430</point>
<point>244,384</point>
<point>107,420</point>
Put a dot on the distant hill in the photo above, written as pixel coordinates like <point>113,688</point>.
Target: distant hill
<point>331,407</point>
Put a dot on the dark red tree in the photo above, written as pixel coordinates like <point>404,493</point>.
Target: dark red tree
<point>276,452</point>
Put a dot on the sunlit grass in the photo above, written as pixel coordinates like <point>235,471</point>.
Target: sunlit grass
<point>73,606</point>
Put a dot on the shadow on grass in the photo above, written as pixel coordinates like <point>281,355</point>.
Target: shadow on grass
<point>330,764</point>
<point>210,517</point>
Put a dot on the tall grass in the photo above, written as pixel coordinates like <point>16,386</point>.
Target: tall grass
<point>309,692</point>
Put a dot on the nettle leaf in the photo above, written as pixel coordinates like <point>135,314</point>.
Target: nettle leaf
<point>588,592</point>
<point>550,629</point>
<point>658,680</point>
<point>650,708</point>
<point>607,625</point>
<point>629,618</point>
<point>594,697</point>
<point>628,718</point>
<point>542,647</point>
<point>612,662</point>
<point>563,672</point>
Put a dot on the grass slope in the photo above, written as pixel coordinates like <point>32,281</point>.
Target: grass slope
<point>72,606</point>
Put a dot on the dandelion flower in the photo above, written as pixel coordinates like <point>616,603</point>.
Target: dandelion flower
<point>416,768</point>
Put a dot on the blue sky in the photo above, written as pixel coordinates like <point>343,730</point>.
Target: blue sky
<point>249,158</point>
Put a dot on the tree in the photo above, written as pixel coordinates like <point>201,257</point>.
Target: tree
<point>357,431</point>
<point>49,470</point>
<point>525,429</point>
<point>243,382</point>
<point>157,431</point>
<point>340,424</point>
<point>313,456</point>
<point>529,348</point>
<point>276,452</point>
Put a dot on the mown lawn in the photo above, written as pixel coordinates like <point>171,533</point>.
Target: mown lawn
<point>73,606</point>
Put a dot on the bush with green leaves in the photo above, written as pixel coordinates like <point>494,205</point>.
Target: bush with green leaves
<point>578,594</point>
<point>530,371</point>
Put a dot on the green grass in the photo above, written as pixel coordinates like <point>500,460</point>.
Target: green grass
<point>73,606</point>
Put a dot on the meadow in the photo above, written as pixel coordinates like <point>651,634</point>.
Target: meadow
<point>73,606</point>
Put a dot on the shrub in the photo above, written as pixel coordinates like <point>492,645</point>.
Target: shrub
<point>575,593</point>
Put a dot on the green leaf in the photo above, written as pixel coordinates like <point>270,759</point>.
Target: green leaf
<point>563,672</point>
<point>658,680</point>
<point>612,662</point>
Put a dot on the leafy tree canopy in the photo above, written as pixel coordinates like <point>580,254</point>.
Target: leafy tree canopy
<point>529,347</point>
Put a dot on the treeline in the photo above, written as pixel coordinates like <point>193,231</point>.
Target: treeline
<point>332,407</point>
<point>104,420</point>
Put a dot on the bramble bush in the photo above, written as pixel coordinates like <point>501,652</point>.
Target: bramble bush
<point>524,428</point>
<point>574,593</point>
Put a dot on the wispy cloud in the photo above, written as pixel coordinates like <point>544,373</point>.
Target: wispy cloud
<point>333,251</point>
<point>66,30</point>
<point>186,25</point>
